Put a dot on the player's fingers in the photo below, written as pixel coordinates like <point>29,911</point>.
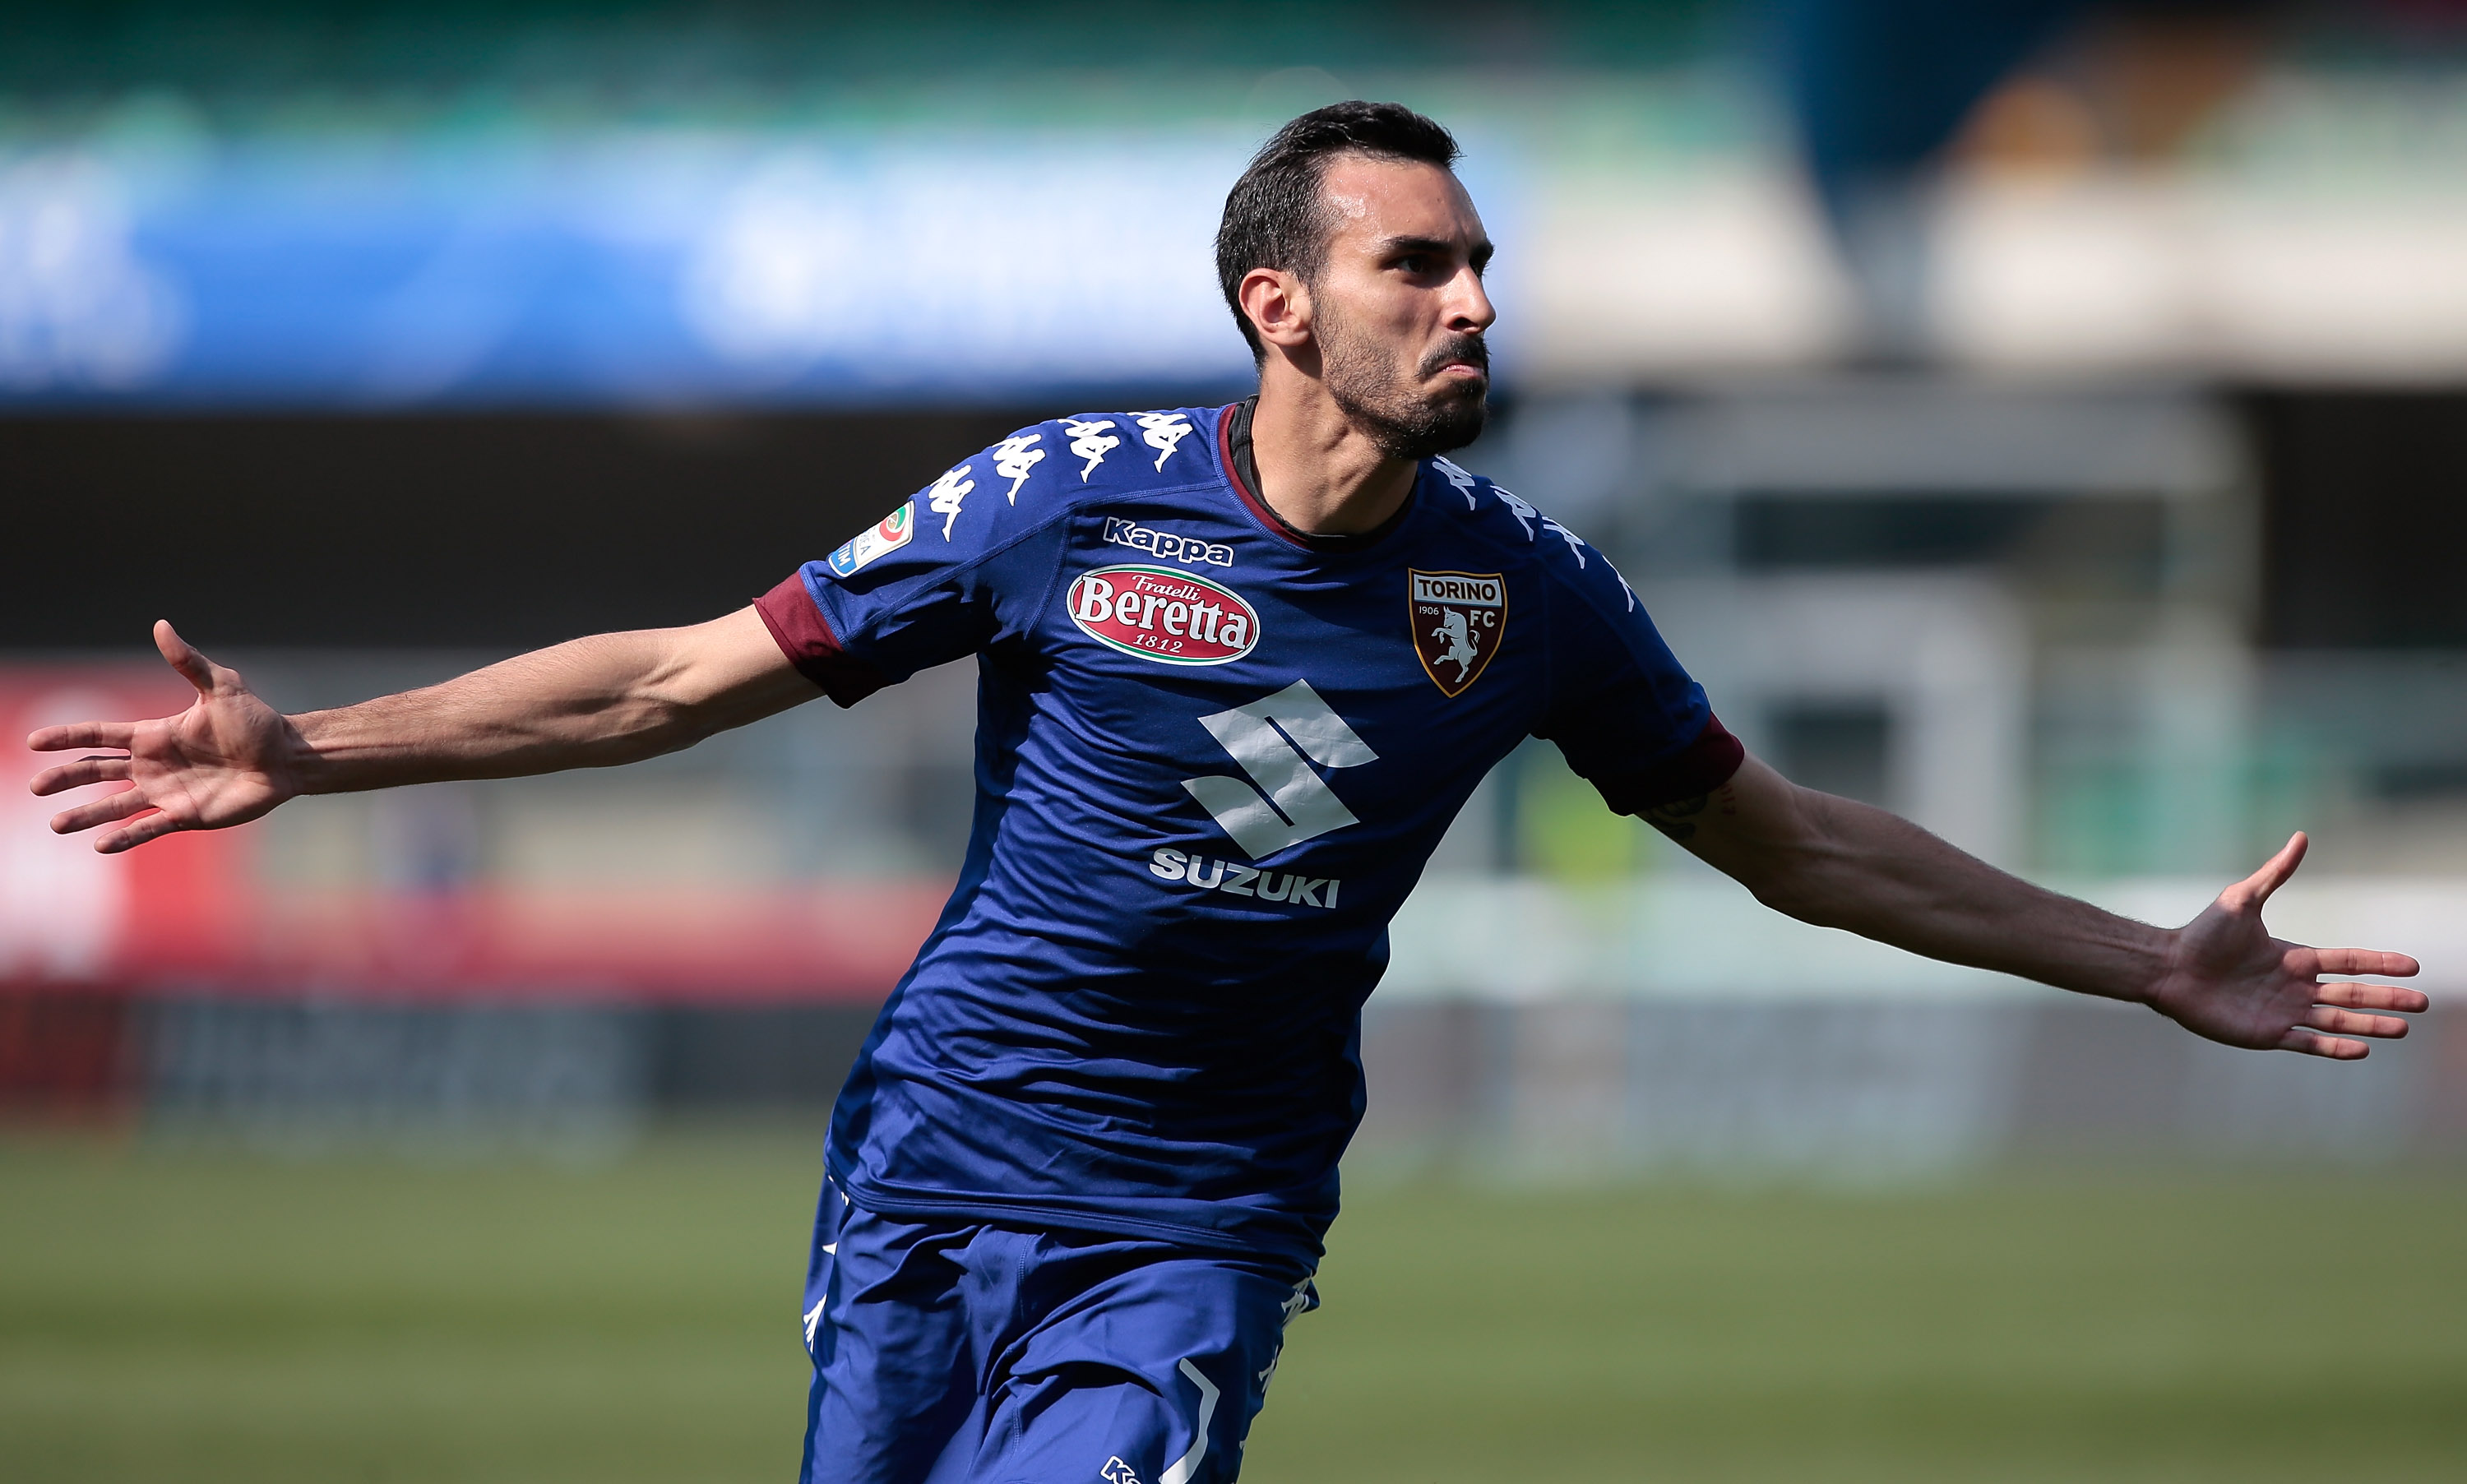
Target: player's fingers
<point>82,733</point>
<point>79,774</point>
<point>128,837</point>
<point>2255,889</point>
<point>182,655</point>
<point>2374,996</point>
<point>2312,1042</point>
<point>102,811</point>
<point>2364,960</point>
<point>2352,1022</point>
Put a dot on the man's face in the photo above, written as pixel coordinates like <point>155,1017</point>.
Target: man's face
<point>1397,307</point>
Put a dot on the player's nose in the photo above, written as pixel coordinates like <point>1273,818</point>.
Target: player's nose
<point>1469,306</point>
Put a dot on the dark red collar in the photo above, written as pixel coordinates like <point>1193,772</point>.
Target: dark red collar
<point>1241,471</point>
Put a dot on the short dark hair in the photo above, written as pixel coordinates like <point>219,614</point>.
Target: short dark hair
<point>1275,216</point>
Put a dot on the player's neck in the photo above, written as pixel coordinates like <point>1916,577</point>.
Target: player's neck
<point>1317,470</point>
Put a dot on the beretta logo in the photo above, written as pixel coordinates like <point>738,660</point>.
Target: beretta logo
<point>1160,614</point>
<point>1459,619</point>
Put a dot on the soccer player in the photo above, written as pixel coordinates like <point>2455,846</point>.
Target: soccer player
<point>1239,668</point>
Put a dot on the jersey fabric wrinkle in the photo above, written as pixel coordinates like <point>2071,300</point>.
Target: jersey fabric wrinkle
<point>1115,1026</point>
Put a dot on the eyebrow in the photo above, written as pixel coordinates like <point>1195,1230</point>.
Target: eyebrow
<point>1479,255</point>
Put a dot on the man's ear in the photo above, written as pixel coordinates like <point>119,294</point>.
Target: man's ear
<point>1279,306</point>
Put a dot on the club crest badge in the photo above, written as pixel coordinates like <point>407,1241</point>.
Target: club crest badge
<point>889,537</point>
<point>1459,619</point>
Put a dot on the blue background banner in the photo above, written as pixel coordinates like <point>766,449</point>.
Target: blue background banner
<point>616,268</point>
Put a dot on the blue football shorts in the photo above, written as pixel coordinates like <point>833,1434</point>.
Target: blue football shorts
<point>955,1351</point>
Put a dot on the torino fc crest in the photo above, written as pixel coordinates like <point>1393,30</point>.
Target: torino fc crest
<point>1459,619</point>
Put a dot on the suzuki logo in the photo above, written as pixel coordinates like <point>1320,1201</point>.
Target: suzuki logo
<point>1276,739</point>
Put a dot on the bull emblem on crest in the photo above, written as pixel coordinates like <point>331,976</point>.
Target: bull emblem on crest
<point>1459,619</point>
<point>1461,651</point>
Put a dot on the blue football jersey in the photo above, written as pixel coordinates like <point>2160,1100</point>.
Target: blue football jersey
<point>1213,757</point>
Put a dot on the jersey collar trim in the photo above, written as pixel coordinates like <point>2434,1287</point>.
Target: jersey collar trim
<point>1227,458</point>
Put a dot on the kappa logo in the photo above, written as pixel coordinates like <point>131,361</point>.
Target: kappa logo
<point>944,498</point>
<point>1277,738</point>
<point>1156,613</point>
<point>1575,542</point>
<point>1162,432</point>
<point>1164,545</point>
<point>1300,1302</point>
<point>1526,515</point>
<point>1013,459</point>
<point>889,535</point>
<point>1090,440</point>
<point>1458,618</point>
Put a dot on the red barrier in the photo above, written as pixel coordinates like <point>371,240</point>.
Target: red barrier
<point>66,1058</point>
<point>188,913</point>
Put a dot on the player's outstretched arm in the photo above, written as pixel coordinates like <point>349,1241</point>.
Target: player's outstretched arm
<point>590,702</point>
<point>1843,865</point>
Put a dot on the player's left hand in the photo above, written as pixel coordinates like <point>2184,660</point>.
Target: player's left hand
<point>2228,979</point>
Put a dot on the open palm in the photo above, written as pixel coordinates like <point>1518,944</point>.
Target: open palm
<point>2229,980</point>
<point>223,761</point>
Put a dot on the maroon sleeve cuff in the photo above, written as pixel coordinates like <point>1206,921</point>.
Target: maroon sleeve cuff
<point>1694,771</point>
<point>804,636</point>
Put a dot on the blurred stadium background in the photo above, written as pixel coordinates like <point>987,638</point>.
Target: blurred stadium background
<point>2048,420</point>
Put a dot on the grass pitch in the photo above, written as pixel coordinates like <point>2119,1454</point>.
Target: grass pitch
<point>201,1319</point>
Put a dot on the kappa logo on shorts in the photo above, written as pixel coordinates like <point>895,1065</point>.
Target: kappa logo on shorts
<point>1459,619</point>
<point>893,534</point>
<point>1173,618</point>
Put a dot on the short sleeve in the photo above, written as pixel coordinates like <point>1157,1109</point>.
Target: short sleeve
<point>1625,714</point>
<point>955,570</point>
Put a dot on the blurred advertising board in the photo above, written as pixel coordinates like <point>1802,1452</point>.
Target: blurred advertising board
<point>616,269</point>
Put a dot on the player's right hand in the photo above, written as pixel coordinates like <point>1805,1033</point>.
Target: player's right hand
<point>227,759</point>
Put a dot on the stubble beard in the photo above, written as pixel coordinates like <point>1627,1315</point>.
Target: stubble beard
<point>1400,419</point>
